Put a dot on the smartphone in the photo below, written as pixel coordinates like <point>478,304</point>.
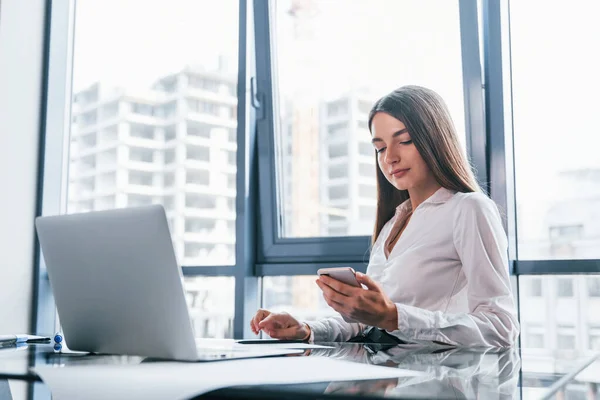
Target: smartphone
<point>346,275</point>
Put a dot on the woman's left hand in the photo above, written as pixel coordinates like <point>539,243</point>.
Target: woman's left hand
<point>371,307</point>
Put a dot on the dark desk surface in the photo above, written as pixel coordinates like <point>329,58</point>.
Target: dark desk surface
<point>454,373</point>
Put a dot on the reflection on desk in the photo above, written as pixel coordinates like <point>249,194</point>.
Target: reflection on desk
<point>5,390</point>
<point>449,373</point>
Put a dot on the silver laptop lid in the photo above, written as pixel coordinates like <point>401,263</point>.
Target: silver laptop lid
<point>116,282</point>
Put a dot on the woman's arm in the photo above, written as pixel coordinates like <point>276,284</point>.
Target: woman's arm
<point>481,244</point>
<point>333,329</point>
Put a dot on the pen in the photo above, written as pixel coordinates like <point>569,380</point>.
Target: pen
<point>11,339</point>
<point>15,339</point>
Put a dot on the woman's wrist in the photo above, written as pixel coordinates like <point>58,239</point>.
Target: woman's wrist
<point>390,322</point>
<point>307,328</point>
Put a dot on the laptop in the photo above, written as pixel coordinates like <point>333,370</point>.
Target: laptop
<point>119,290</point>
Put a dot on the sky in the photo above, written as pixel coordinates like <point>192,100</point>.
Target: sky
<point>380,45</point>
<point>133,42</point>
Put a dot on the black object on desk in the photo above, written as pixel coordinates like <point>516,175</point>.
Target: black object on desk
<point>269,341</point>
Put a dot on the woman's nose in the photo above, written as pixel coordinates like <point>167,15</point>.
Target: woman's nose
<point>390,157</point>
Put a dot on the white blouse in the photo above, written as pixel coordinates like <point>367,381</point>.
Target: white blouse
<point>447,274</point>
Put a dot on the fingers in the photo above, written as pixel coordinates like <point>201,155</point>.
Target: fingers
<point>329,292</point>
<point>275,321</point>
<point>261,314</point>
<point>368,282</point>
<point>285,333</point>
<point>338,286</point>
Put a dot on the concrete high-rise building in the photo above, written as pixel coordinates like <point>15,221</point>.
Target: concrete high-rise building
<point>560,312</point>
<point>174,144</point>
<point>348,190</point>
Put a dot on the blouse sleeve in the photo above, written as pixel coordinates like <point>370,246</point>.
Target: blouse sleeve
<point>333,329</point>
<point>481,245</point>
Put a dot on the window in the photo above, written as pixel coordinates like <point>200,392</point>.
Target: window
<point>142,109</point>
<point>110,110</point>
<point>169,179</point>
<point>338,150</point>
<point>170,133</point>
<point>200,201</point>
<point>564,287</point>
<point>336,219</point>
<point>535,287</point>
<point>338,193</point>
<point>140,178</point>
<point>141,131</point>
<point>198,130</point>
<point>337,171</point>
<point>197,177</point>
<point>200,225</point>
<point>169,156</point>
<point>338,131</point>
<point>367,191</point>
<point>554,224</point>
<point>593,286</point>
<point>211,304</point>
<point>140,154</point>
<point>208,84</point>
<point>550,306</point>
<point>364,107</point>
<point>320,95</point>
<point>535,340</point>
<point>568,232</point>
<point>198,153</point>
<point>594,340</point>
<point>298,295</point>
<point>203,107</point>
<point>366,171</point>
<point>366,149</point>
<point>137,200</point>
<point>148,77</point>
<point>366,213</point>
<point>232,135</point>
<point>337,108</point>
<point>168,110</point>
<point>565,341</point>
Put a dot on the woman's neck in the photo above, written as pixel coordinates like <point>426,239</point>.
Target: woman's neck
<point>422,193</point>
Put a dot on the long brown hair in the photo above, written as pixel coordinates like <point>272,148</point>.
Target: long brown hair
<point>426,117</point>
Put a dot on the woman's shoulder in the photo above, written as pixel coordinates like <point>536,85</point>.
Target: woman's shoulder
<point>474,202</point>
<point>472,199</point>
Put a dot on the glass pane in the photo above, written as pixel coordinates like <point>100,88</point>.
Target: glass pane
<point>211,304</point>
<point>327,163</point>
<point>555,81</point>
<point>298,295</point>
<point>154,117</point>
<point>558,313</point>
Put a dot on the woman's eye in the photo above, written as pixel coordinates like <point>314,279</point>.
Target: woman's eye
<point>406,142</point>
<point>378,151</point>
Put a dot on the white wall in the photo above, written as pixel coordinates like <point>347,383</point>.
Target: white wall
<point>21,46</point>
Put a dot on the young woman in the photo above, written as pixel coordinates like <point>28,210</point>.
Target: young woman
<point>438,270</point>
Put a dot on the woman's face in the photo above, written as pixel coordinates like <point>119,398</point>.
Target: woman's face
<point>397,155</point>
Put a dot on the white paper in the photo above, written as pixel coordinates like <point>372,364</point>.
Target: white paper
<point>175,380</point>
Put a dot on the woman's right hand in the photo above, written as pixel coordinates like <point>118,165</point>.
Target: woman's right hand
<point>279,325</point>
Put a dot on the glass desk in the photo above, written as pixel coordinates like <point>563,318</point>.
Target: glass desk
<point>449,374</point>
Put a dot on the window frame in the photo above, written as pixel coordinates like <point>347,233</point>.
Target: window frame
<point>259,249</point>
<point>275,249</point>
<point>500,137</point>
